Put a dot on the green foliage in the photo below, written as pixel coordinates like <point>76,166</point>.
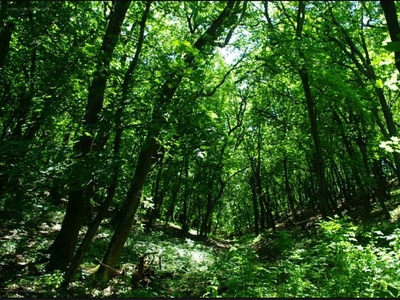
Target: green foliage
<point>213,112</point>
<point>392,46</point>
<point>336,265</point>
<point>333,263</point>
<point>391,145</point>
<point>212,288</point>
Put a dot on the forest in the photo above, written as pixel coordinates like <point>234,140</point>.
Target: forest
<point>199,149</point>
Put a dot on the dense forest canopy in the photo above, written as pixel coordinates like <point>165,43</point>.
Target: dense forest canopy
<point>221,117</point>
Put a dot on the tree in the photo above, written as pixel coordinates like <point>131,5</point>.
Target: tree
<point>148,152</point>
<point>63,248</point>
<point>389,9</point>
<point>117,145</point>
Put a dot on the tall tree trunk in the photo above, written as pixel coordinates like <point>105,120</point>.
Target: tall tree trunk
<point>263,217</point>
<point>186,193</point>
<point>79,255</point>
<point>289,191</point>
<point>207,216</point>
<point>320,164</point>
<point>267,201</point>
<point>145,160</point>
<point>312,114</point>
<point>256,213</point>
<point>363,64</point>
<point>380,189</point>
<point>174,197</point>
<point>150,146</point>
<point>63,248</point>
<point>254,196</point>
<point>159,194</point>
<point>389,9</point>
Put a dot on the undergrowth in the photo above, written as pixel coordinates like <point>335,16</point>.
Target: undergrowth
<point>339,259</point>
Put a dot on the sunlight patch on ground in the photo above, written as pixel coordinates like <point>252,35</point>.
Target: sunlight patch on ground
<point>176,255</point>
<point>395,214</point>
<point>191,257</point>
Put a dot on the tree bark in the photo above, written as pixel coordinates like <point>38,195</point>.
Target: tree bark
<point>289,191</point>
<point>79,255</point>
<point>63,248</point>
<point>159,193</point>
<point>322,195</point>
<point>380,189</point>
<point>130,206</point>
<point>389,9</point>
<point>256,223</point>
<point>267,201</point>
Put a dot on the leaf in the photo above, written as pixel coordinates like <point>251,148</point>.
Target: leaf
<point>213,115</point>
<point>392,46</point>
<point>379,83</point>
<point>201,154</point>
<point>393,291</point>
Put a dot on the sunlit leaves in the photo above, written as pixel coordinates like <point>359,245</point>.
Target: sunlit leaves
<point>392,145</point>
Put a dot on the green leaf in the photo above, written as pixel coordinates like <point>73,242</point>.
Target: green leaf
<point>379,83</point>
<point>392,46</point>
<point>393,291</point>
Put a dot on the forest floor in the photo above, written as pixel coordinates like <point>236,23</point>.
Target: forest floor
<point>352,252</point>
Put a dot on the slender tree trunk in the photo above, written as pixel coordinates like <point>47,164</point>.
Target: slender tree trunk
<point>218,220</point>
<point>366,68</point>
<point>252,182</point>
<point>289,191</point>
<point>186,194</point>
<point>174,197</point>
<point>312,114</point>
<point>159,196</point>
<point>263,217</point>
<point>320,164</point>
<point>389,9</point>
<point>148,153</point>
<point>145,160</point>
<point>380,187</point>
<point>63,248</point>
<point>207,215</point>
<point>270,219</point>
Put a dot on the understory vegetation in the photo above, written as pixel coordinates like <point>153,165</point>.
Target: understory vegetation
<point>339,257</point>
